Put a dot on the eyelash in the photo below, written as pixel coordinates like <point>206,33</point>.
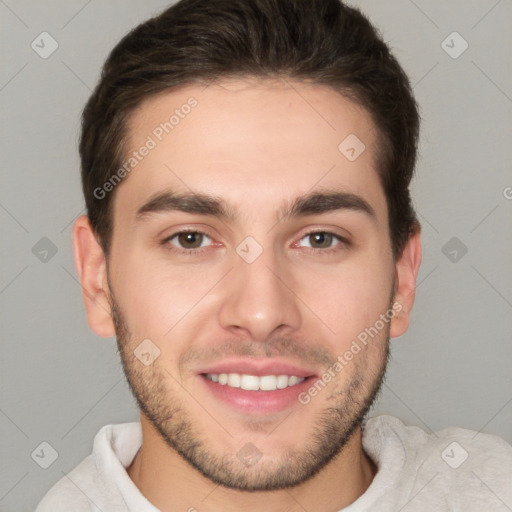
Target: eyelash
<point>190,252</point>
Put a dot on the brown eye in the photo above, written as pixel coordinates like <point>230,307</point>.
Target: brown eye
<point>321,240</point>
<point>190,240</point>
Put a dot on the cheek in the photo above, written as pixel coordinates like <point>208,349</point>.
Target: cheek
<point>349,298</point>
<point>158,298</point>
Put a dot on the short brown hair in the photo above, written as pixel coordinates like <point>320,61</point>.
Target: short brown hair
<point>197,41</point>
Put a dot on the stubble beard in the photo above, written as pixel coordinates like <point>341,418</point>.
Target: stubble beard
<point>345,411</point>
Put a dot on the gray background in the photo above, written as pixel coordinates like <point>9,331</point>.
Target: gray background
<point>60,383</point>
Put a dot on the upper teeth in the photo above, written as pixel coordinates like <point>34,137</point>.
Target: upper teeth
<point>253,382</point>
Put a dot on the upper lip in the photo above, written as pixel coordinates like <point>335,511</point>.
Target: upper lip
<point>258,367</point>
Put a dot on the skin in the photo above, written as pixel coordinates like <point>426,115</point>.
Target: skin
<point>257,144</point>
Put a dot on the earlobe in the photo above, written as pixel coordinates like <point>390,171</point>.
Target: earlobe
<point>91,266</point>
<point>406,273</point>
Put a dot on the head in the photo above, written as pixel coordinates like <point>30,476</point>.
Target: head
<point>282,135</point>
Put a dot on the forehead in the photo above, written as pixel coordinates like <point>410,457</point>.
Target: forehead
<point>252,142</point>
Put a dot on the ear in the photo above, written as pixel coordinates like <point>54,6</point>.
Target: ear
<point>406,272</point>
<point>91,266</point>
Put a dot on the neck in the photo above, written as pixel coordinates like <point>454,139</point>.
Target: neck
<point>171,484</point>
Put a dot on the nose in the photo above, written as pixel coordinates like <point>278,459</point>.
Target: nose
<point>259,298</point>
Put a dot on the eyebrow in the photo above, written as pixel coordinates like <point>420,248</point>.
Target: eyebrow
<point>209,205</point>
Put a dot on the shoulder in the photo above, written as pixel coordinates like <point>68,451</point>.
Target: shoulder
<point>66,494</point>
<point>469,467</point>
<point>450,442</point>
<point>92,481</point>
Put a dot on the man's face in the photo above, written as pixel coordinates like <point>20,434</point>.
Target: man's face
<point>260,300</point>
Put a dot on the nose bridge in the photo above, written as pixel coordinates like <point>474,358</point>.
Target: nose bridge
<point>257,298</point>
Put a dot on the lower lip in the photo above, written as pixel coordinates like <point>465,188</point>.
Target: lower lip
<point>258,402</point>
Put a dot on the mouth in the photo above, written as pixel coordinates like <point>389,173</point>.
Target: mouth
<point>254,387</point>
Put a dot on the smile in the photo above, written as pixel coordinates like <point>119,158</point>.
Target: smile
<point>255,382</point>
